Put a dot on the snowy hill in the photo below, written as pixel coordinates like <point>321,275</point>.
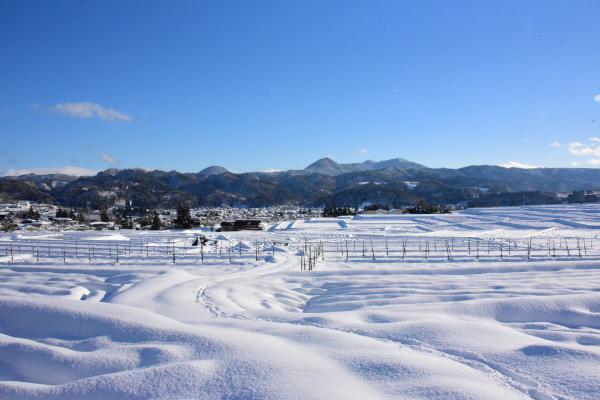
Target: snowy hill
<point>496,304</point>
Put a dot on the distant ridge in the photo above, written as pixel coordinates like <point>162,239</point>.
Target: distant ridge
<point>396,182</point>
<point>327,166</point>
<point>213,170</point>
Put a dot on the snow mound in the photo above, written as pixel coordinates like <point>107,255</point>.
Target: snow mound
<point>111,351</point>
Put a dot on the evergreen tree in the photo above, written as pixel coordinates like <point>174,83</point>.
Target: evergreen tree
<point>156,222</point>
<point>126,223</point>
<point>7,224</point>
<point>184,219</point>
<point>32,214</point>
<point>104,217</point>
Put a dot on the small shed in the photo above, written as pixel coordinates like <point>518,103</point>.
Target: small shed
<point>242,225</point>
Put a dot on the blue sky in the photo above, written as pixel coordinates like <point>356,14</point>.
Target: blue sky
<point>276,85</point>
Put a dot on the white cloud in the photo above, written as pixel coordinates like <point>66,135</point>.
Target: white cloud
<point>584,150</point>
<point>87,110</point>
<point>109,159</point>
<point>590,150</point>
<point>575,163</point>
<point>597,98</point>
<point>271,170</point>
<point>516,164</point>
<point>68,170</point>
<point>555,144</point>
<point>363,151</point>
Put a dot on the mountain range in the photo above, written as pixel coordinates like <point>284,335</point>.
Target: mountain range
<point>396,182</point>
<point>327,166</point>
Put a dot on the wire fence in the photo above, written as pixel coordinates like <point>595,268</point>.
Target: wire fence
<point>176,248</point>
<point>460,248</point>
<point>163,249</point>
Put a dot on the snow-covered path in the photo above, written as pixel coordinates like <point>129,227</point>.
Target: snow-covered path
<point>489,328</point>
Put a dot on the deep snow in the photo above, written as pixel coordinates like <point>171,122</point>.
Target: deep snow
<point>76,324</point>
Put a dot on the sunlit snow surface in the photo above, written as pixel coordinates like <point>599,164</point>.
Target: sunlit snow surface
<point>437,314</point>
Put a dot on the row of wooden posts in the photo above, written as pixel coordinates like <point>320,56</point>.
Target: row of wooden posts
<point>504,247</point>
<point>115,251</point>
<point>310,252</point>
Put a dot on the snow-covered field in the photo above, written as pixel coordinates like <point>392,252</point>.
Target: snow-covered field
<point>484,304</point>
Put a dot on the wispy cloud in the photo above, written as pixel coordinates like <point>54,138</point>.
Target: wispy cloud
<point>68,170</point>
<point>555,144</point>
<point>517,164</point>
<point>584,150</point>
<point>109,159</point>
<point>363,151</point>
<point>589,150</point>
<point>597,98</point>
<point>593,161</point>
<point>87,110</point>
